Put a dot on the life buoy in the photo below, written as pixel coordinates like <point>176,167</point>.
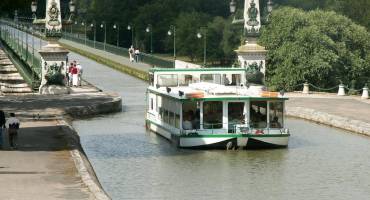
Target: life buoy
<point>195,94</point>
<point>269,94</point>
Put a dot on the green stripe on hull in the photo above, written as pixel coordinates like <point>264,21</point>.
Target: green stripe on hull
<point>233,135</point>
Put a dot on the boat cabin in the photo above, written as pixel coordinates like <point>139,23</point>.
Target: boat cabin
<point>163,77</point>
<point>212,102</point>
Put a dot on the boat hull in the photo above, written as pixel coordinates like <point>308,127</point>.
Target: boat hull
<point>223,141</point>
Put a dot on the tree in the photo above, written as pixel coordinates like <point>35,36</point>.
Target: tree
<point>318,46</point>
<point>188,25</point>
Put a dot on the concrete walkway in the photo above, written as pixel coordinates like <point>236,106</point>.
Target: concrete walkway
<point>114,57</point>
<point>42,167</point>
<point>348,106</point>
<point>349,112</point>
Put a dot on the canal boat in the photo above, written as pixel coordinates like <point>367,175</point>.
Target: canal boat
<point>214,108</point>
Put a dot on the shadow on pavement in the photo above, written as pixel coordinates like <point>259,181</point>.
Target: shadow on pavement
<point>44,138</point>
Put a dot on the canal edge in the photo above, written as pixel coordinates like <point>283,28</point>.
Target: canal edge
<point>336,121</point>
<point>83,165</point>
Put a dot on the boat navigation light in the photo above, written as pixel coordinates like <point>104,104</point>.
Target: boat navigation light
<point>181,93</point>
<point>168,89</point>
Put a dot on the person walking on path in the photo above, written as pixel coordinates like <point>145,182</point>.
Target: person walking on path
<point>2,124</point>
<point>12,124</point>
<point>74,75</point>
<point>80,71</point>
<point>137,54</point>
<point>70,74</point>
<point>131,52</point>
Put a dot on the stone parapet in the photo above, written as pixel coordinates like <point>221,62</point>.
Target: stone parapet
<point>337,121</point>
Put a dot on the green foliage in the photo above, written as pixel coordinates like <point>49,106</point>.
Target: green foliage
<point>318,46</point>
<point>188,25</point>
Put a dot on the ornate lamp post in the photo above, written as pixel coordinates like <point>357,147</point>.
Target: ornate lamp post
<point>104,25</point>
<point>116,26</point>
<point>34,9</point>
<point>172,31</point>
<point>203,33</point>
<point>93,27</point>
<point>149,29</point>
<point>131,27</point>
<point>251,55</point>
<point>85,33</point>
<point>53,56</point>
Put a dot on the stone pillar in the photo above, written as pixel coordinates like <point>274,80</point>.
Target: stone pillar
<point>252,54</point>
<point>341,91</point>
<point>306,88</point>
<point>365,93</point>
<point>53,56</point>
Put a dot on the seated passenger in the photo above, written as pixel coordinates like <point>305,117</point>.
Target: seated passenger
<point>196,120</point>
<point>275,123</point>
<point>186,124</point>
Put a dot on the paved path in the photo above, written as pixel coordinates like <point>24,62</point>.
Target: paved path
<point>42,167</point>
<point>116,58</point>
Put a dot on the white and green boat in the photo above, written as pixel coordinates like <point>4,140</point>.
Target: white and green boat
<point>214,108</point>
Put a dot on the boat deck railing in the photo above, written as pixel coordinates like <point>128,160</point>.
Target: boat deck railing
<point>233,128</point>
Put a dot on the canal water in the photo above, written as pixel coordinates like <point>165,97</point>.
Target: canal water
<point>320,163</point>
<point>131,163</point>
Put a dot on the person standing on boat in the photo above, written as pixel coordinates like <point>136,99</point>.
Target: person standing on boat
<point>187,125</point>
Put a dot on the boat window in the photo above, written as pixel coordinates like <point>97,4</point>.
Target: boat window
<point>171,118</point>
<point>191,115</point>
<point>235,115</point>
<point>165,117</point>
<point>151,104</point>
<point>161,113</point>
<point>212,114</point>
<point>185,79</point>
<point>151,79</point>
<point>276,114</point>
<point>211,78</point>
<point>158,103</point>
<point>258,114</point>
<point>232,79</point>
<point>177,121</point>
<point>167,80</point>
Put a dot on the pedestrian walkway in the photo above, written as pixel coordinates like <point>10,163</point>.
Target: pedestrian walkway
<point>42,167</point>
<point>113,57</point>
<point>350,107</point>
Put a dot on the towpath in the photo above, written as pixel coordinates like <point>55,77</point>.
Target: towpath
<point>42,167</point>
<point>113,57</point>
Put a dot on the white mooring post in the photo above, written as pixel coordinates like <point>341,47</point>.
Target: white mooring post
<point>365,93</point>
<point>306,88</point>
<point>341,91</point>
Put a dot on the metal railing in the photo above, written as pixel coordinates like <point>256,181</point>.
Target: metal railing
<point>25,52</point>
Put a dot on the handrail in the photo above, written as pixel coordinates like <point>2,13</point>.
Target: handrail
<point>24,52</point>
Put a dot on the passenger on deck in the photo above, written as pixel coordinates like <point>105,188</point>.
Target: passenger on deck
<point>275,123</point>
<point>187,125</point>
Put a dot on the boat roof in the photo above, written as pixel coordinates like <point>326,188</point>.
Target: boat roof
<point>215,92</point>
